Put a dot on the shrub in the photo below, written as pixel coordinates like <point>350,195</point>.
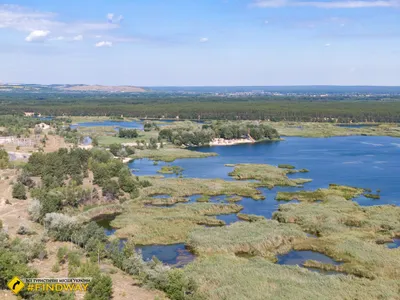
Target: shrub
<point>100,288</point>
<point>18,191</point>
<point>60,226</point>
<point>35,209</point>
<point>4,159</point>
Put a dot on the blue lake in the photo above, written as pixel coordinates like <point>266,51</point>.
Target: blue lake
<point>369,162</point>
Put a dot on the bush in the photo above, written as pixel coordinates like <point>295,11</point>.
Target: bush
<point>26,180</point>
<point>18,191</point>
<point>100,288</point>
<point>35,209</point>
<point>23,230</point>
<point>60,226</point>
<point>4,159</point>
<point>128,133</point>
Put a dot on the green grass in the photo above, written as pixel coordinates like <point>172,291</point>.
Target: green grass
<point>250,218</point>
<point>185,187</point>
<point>263,238</point>
<point>170,154</point>
<point>348,232</point>
<point>320,194</point>
<point>283,166</point>
<point>99,212</point>
<point>372,196</point>
<point>171,170</point>
<point>307,129</point>
<point>268,175</point>
<point>234,278</point>
<point>153,225</point>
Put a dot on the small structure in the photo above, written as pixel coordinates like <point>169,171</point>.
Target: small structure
<point>29,114</point>
<point>43,126</point>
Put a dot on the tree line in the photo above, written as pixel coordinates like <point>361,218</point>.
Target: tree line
<point>309,110</point>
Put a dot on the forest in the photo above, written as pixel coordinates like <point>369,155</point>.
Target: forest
<point>204,108</point>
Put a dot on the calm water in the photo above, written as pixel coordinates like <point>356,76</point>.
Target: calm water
<point>175,255</point>
<point>395,244</point>
<point>300,257</point>
<point>105,223</point>
<point>124,124</point>
<point>357,125</point>
<point>369,162</point>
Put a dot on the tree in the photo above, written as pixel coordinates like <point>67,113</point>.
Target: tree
<point>95,141</point>
<point>4,159</point>
<point>100,288</point>
<point>153,143</point>
<point>128,133</point>
<point>18,191</point>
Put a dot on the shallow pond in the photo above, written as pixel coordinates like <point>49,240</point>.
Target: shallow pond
<point>228,219</point>
<point>300,257</point>
<point>124,124</point>
<point>395,244</point>
<point>175,255</point>
<point>106,224</point>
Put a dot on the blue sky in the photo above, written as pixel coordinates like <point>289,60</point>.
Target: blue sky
<point>207,42</point>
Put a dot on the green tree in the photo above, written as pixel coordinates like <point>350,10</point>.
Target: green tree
<point>18,191</point>
<point>100,288</point>
<point>4,159</point>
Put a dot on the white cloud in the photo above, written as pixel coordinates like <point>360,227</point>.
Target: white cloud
<point>78,38</point>
<point>111,18</point>
<point>37,36</point>
<point>59,38</point>
<point>104,44</point>
<point>327,45</point>
<point>204,40</point>
<point>24,19</point>
<point>328,4</point>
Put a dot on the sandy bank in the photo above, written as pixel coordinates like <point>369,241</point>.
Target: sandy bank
<point>224,142</point>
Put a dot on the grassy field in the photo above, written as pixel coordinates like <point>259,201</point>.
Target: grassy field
<point>264,238</point>
<point>268,175</point>
<point>230,277</point>
<point>153,225</point>
<point>170,154</point>
<point>320,194</point>
<point>350,233</point>
<point>184,187</point>
<point>308,129</point>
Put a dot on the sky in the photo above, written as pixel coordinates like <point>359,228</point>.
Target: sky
<point>200,43</point>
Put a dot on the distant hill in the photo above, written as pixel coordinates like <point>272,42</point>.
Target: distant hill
<point>103,88</point>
